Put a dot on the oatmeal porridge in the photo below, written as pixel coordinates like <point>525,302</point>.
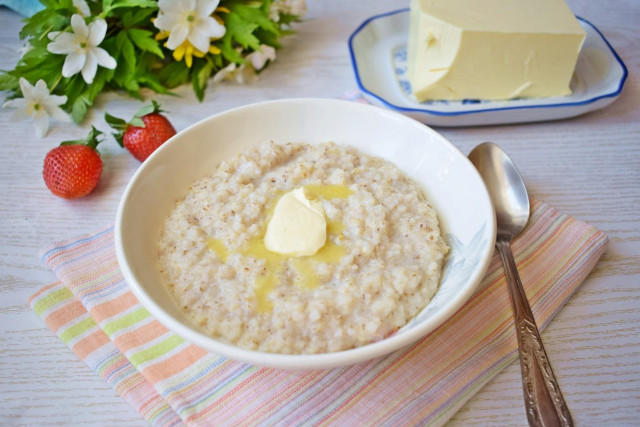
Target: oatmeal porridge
<point>379,265</point>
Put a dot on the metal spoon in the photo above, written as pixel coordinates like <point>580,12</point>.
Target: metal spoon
<point>543,399</point>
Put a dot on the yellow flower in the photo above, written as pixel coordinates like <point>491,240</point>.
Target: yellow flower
<point>189,32</point>
<point>187,51</point>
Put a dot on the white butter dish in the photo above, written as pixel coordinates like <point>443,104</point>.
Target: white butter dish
<point>378,49</point>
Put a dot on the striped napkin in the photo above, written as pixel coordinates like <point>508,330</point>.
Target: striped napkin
<point>171,382</point>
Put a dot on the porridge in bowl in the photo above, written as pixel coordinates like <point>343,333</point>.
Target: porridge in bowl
<point>302,248</point>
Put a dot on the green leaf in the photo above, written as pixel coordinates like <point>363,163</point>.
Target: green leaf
<point>108,75</point>
<point>98,84</point>
<point>174,74</point>
<point>150,81</point>
<point>123,76</point>
<point>79,108</point>
<point>50,3</point>
<point>120,76</point>
<point>136,3</point>
<point>268,38</point>
<point>123,70</point>
<point>131,18</point>
<point>241,31</point>
<point>109,46</point>
<point>145,41</point>
<point>127,19</point>
<point>35,54</point>
<point>114,121</point>
<point>108,6</point>
<point>201,73</point>
<point>8,81</point>
<point>132,86</point>
<point>147,73</point>
<point>129,54</point>
<point>137,122</point>
<point>117,124</point>
<point>73,87</point>
<point>48,68</point>
<point>286,19</point>
<point>47,19</point>
<point>217,62</point>
<point>229,53</point>
<point>147,109</point>
<point>255,15</point>
<point>121,38</point>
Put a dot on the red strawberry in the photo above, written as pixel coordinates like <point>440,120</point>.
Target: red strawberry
<point>73,169</point>
<point>144,133</point>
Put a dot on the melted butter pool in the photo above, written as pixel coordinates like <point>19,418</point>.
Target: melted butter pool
<point>306,275</point>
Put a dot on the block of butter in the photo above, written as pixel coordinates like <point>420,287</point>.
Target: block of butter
<point>297,227</point>
<point>492,49</point>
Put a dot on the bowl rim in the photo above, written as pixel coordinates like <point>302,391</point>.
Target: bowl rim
<point>298,361</point>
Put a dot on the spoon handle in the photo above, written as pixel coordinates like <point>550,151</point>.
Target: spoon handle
<point>543,399</point>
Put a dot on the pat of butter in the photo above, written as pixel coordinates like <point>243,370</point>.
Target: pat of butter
<point>492,49</point>
<point>298,226</point>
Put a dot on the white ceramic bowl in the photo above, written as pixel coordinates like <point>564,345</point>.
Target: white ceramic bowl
<point>449,180</point>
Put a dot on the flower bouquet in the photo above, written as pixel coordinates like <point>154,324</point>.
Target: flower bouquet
<point>77,49</point>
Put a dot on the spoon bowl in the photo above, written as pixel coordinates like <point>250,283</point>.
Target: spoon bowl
<point>506,188</point>
<point>543,399</point>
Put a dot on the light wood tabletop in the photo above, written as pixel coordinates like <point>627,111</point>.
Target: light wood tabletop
<point>587,166</point>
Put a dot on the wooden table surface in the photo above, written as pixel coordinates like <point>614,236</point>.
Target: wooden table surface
<point>588,167</point>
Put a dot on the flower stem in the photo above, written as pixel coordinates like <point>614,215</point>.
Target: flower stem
<point>45,32</point>
<point>55,83</point>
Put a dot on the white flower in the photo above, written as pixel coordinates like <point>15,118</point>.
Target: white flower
<point>246,73</point>
<point>38,104</point>
<point>295,7</point>
<point>288,7</point>
<point>230,72</point>
<point>82,7</point>
<point>81,48</point>
<point>241,74</point>
<point>259,58</point>
<point>189,20</point>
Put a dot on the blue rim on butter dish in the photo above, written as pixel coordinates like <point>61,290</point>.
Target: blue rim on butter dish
<point>380,40</point>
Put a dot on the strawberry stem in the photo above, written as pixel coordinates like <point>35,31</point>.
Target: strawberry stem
<point>92,140</point>
<point>120,125</point>
<point>117,124</point>
<point>154,107</point>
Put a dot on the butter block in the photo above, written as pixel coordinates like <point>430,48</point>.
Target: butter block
<point>492,49</point>
<point>298,226</point>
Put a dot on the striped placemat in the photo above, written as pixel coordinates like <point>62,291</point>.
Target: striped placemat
<point>171,382</point>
